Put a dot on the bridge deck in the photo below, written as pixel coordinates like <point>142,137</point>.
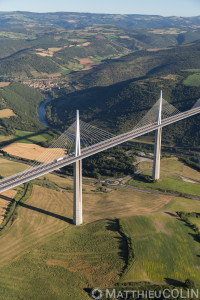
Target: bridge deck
<point>35,172</point>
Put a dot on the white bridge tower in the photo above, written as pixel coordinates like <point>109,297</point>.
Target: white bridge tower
<point>157,146</point>
<point>77,203</point>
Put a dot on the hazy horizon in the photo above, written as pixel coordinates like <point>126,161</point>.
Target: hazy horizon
<point>98,13</point>
<point>178,8</point>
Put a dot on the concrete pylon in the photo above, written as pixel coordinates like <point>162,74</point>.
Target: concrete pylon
<point>77,204</point>
<point>157,145</point>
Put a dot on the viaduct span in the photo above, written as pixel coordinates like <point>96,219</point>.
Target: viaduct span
<point>152,121</point>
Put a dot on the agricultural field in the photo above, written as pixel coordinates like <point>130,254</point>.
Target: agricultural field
<point>43,241</point>
<point>48,52</point>
<point>16,36</point>
<point>3,84</point>
<point>7,113</point>
<point>173,165</point>
<point>42,254</point>
<point>164,249</point>
<point>144,139</point>
<point>168,182</point>
<point>31,137</point>
<point>8,167</point>
<point>121,202</point>
<point>182,204</point>
<point>193,80</point>
<point>174,258</point>
<point>4,138</point>
<point>56,248</point>
<point>84,257</point>
<point>33,152</point>
<point>25,144</point>
<point>5,199</point>
<point>195,221</point>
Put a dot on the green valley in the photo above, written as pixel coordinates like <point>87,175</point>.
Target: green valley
<point>138,233</point>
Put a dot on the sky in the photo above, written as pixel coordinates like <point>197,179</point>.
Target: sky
<point>184,8</point>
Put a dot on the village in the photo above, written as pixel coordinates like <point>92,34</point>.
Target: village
<point>43,85</point>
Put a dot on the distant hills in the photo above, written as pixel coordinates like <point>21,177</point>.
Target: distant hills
<point>111,67</point>
<point>37,45</point>
<point>122,91</point>
<point>72,20</point>
<point>143,63</point>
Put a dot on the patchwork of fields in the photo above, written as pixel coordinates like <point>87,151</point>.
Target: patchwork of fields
<point>43,241</point>
<point>111,68</point>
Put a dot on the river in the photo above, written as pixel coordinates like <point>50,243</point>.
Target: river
<point>42,111</point>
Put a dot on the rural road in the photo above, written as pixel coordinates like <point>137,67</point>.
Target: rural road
<point>119,181</point>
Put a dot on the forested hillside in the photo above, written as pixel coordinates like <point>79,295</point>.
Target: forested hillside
<point>60,52</point>
<point>110,67</point>
<point>24,101</point>
<point>142,63</point>
<point>118,107</point>
<point>32,47</point>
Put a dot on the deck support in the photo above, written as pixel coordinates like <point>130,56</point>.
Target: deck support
<point>77,203</point>
<point>157,145</point>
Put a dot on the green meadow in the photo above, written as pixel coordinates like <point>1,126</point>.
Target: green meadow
<point>164,249</point>
<point>31,137</point>
<point>168,182</point>
<point>193,80</point>
<point>43,256</point>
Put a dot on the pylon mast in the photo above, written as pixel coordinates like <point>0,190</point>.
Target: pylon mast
<point>77,203</point>
<point>157,145</point>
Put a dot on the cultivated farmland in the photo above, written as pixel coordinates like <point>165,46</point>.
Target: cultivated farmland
<point>6,113</point>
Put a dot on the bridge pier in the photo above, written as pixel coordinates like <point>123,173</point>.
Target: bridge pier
<point>77,209</point>
<point>77,203</point>
<point>157,145</point>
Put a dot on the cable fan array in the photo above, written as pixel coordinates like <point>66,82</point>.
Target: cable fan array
<point>90,135</point>
<point>197,104</point>
<point>151,117</point>
<point>65,145</point>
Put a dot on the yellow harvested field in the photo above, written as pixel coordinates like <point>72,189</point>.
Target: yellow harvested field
<point>121,203</point>
<point>3,84</point>
<point>86,44</point>
<point>54,49</point>
<point>7,113</point>
<point>43,214</point>
<point>33,152</point>
<point>5,199</point>
<point>49,52</point>
<point>43,54</point>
